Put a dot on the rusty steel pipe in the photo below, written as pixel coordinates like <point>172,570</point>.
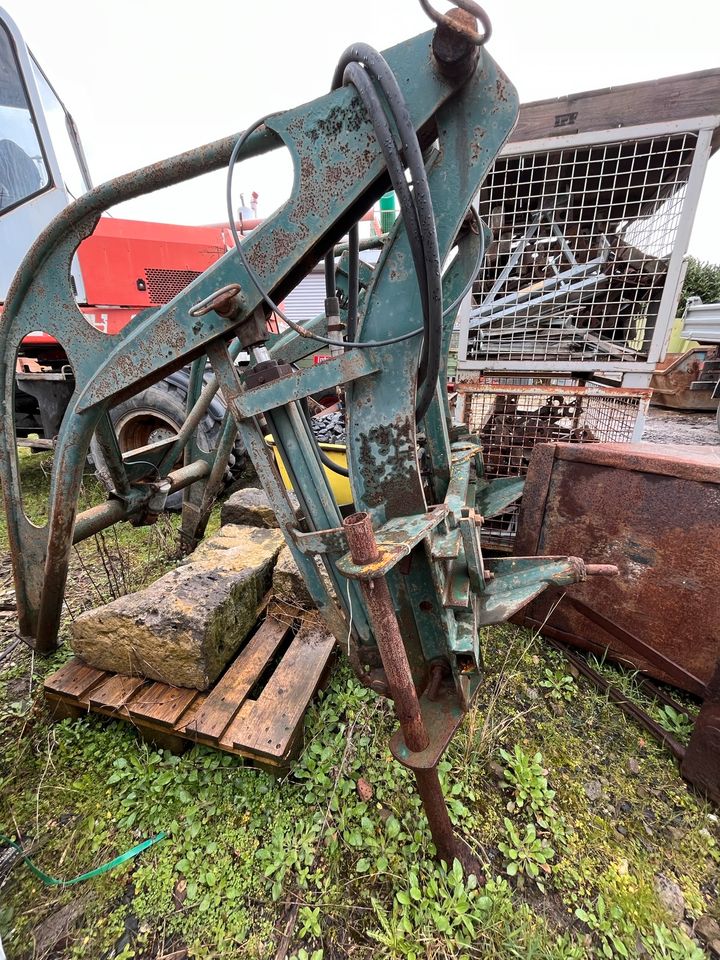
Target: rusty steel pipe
<point>601,570</point>
<point>381,613</point>
<point>449,846</point>
<point>364,550</point>
<point>106,514</point>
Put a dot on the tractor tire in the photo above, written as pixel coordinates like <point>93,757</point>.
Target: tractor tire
<point>157,414</point>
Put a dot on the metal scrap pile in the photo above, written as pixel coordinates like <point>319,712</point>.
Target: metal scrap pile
<point>580,249</point>
<point>511,431</point>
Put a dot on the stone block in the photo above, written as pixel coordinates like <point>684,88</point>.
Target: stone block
<point>288,584</point>
<point>250,506</point>
<point>188,625</point>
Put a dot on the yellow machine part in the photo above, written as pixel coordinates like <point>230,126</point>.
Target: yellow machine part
<point>336,452</point>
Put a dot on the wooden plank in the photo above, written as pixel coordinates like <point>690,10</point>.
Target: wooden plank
<point>269,725</point>
<point>161,704</point>
<point>184,727</point>
<point>229,693</point>
<point>656,101</point>
<point>267,731</point>
<point>74,679</point>
<point>114,692</point>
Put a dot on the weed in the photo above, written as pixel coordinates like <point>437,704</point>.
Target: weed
<point>527,854</point>
<point>344,836</point>
<point>442,903</point>
<point>559,684</point>
<point>668,944</point>
<point>609,927</point>
<point>674,721</point>
<point>309,922</point>
<point>527,778</point>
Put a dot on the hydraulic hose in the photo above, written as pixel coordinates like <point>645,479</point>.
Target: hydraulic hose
<point>298,328</point>
<point>378,68</point>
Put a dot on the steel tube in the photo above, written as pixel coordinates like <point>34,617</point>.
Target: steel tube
<point>104,515</point>
<point>196,414</point>
<point>381,612</point>
<point>448,846</point>
<point>364,549</point>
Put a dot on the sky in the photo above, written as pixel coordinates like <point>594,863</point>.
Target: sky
<point>145,79</point>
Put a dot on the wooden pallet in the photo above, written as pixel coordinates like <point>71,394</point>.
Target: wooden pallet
<point>265,726</point>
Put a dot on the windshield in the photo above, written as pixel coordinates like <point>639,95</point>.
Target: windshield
<point>63,136</point>
<point>23,171</point>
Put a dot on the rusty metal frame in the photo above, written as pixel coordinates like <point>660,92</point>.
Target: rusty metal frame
<point>407,601</point>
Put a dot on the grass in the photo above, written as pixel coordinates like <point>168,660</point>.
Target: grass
<point>339,852</point>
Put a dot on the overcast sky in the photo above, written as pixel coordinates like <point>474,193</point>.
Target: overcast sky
<point>148,78</point>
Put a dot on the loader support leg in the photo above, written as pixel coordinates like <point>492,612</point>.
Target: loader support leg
<point>364,550</point>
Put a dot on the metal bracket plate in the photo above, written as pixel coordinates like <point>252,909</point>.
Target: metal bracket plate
<point>395,540</point>
<point>442,717</point>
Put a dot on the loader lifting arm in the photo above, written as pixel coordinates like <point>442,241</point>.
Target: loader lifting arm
<point>409,586</point>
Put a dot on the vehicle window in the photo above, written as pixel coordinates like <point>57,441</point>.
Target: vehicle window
<point>23,171</point>
<point>65,146</point>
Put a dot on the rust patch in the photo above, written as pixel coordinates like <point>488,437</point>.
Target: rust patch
<point>388,460</point>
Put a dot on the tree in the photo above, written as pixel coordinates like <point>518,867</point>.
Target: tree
<point>701,280</point>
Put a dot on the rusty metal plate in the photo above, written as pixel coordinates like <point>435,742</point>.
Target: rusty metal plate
<point>652,510</point>
<point>673,379</point>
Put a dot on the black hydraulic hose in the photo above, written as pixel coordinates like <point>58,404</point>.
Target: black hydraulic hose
<point>298,328</point>
<point>330,273</point>
<point>330,464</point>
<point>352,73</point>
<point>379,69</point>
<point>353,281</point>
<point>386,141</point>
<point>416,208</point>
<point>324,458</point>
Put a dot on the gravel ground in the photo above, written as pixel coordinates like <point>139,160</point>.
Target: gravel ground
<point>329,428</point>
<point>674,426</point>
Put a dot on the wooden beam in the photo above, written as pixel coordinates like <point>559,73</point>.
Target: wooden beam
<point>654,101</point>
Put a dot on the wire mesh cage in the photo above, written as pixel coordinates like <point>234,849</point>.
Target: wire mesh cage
<point>582,241</point>
<point>512,415</point>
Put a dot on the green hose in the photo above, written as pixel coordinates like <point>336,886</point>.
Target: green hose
<point>110,865</point>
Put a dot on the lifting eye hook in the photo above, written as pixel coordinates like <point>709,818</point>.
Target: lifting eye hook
<point>226,301</point>
<point>469,6</point>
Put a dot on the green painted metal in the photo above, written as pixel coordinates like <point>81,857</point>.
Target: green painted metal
<point>495,496</point>
<point>516,580</point>
<point>395,540</point>
<point>422,485</point>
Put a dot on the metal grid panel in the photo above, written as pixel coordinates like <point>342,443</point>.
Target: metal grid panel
<point>511,417</point>
<point>582,241</point>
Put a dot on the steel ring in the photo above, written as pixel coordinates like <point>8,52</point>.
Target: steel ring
<point>218,298</point>
<point>469,6</point>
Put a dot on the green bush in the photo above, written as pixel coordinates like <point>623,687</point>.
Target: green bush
<point>701,280</point>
